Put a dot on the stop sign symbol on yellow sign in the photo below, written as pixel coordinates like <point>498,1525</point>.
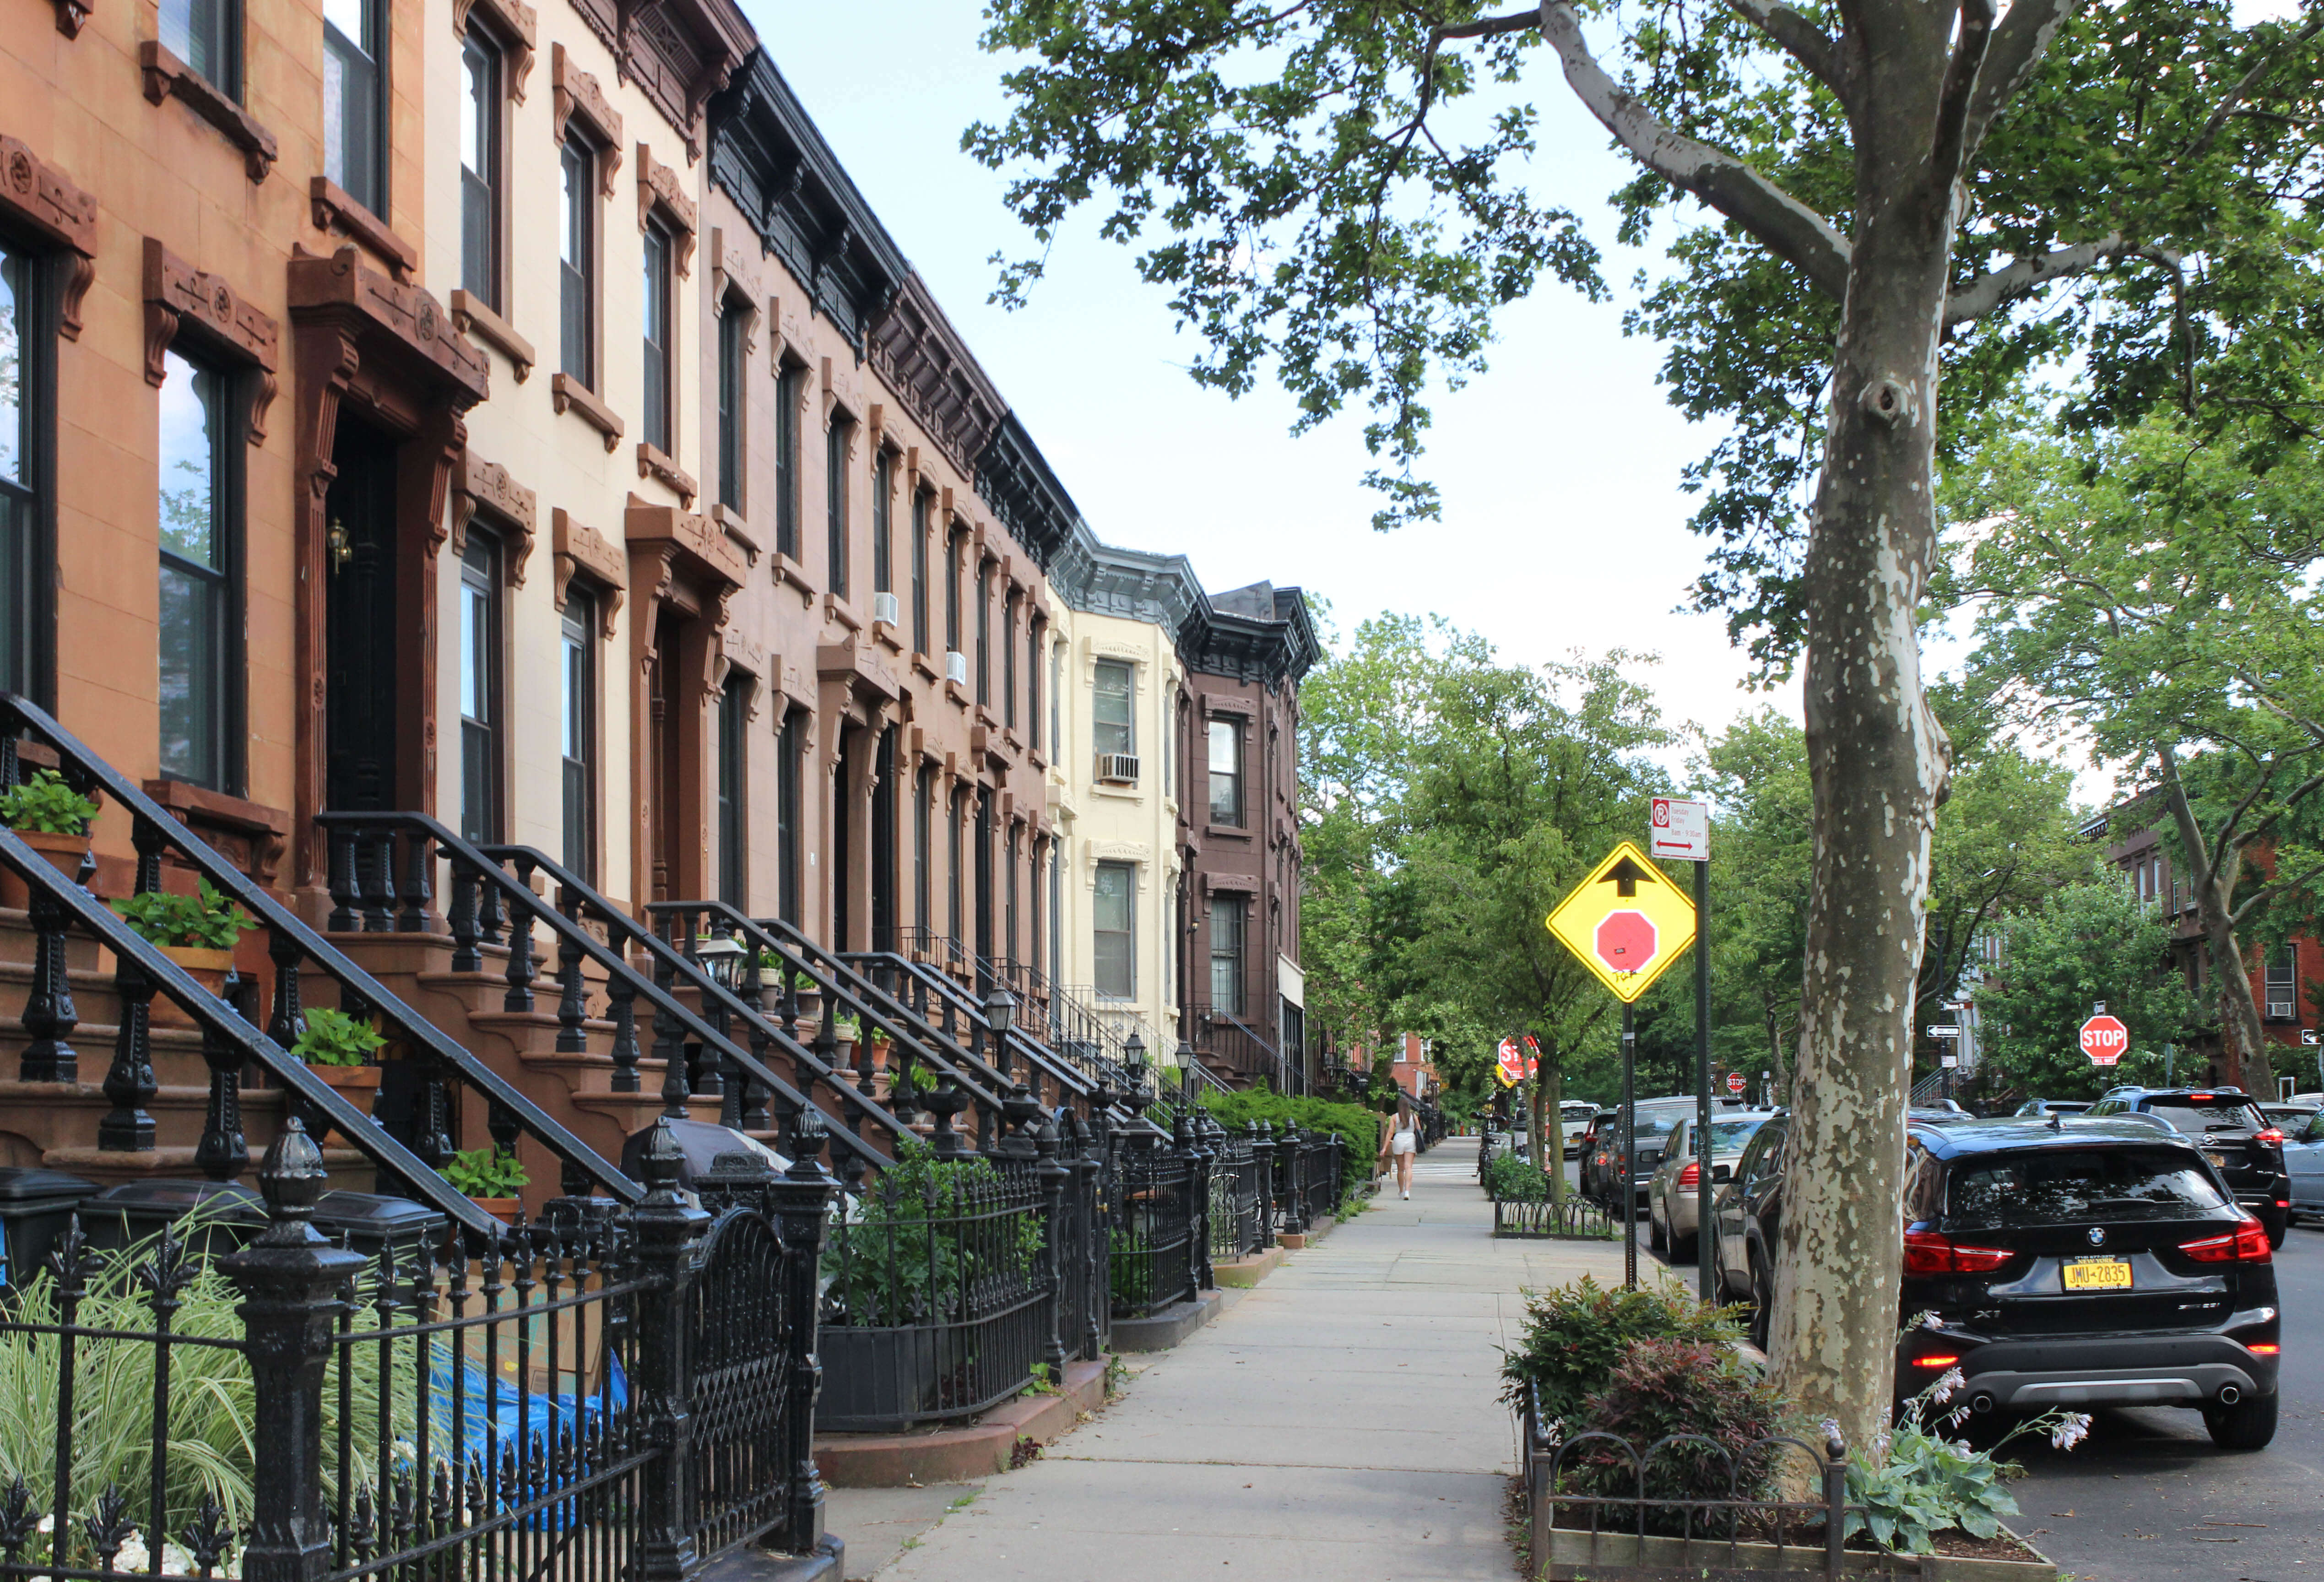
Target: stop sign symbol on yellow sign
<point>1626,922</point>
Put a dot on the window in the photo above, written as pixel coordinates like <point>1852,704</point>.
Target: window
<point>734,807</point>
<point>1033,903</point>
<point>884,482</point>
<point>791,750</point>
<point>924,809</point>
<point>1112,731</point>
<point>1226,774</point>
<point>1033,682</point>
<point>24,387</point>
<point>2283,995</point>
<point>1009,895</point>
<point>196,616</point>
<point>577,264</point>
<point>1009,661</point>
<point>953,866</point>
<point>480,714</point>
<point>206,35</point>
<point>1116,930</point>
<point>1056,703</point>
<point>655,348</point>
<point>480,169</point>
<point>731,386</point>
<point>353,66</point>
<point>984,633</point>
<point>1169,733</point>
<point>578,715</point>
<point>2032,1190</point>
<point>791,389</point>
<point>1056,913</point>
<point>835,494</point>
<point>1229,914</point>
<point>920,575</point>
<point>1169,962</point>
<point>952,592</point>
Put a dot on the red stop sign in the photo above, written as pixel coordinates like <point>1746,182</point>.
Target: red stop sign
<point>1735,1082</point>
<point>1626,942</point>
<point>2105,1040</point>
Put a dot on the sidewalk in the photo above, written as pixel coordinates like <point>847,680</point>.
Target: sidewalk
<point>1339,1423</point>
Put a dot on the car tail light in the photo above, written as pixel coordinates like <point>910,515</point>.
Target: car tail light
<point>1942,1360</point>
<point>1691,1177</point>
<point>2201,1098</point>
<point>1928,1253</point>
<point>2245,1244</point>
<point>2263,1348</point>
<point>2271,1135</point>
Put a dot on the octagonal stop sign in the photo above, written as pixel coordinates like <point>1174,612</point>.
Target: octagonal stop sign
<point>2105,1039</point>
<point>1624,941</point>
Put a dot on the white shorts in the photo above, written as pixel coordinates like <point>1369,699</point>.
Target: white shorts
<point>1402,1142</point>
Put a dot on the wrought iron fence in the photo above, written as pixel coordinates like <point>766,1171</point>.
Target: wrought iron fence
<point>1153,1255</point>
<point>1600,1506</point>
<point>1573,1217</point>
<point>938,1299</point>
<point>1240,1217</point>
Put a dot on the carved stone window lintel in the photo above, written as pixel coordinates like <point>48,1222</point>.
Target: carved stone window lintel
<point>662,189</point>
<point>168,76</point>
<point>517,25</point>
<point>178,297</point>
<point>575,92</point>
<point>581,548</point>
<point>478,485</point>
<point>47,202</point>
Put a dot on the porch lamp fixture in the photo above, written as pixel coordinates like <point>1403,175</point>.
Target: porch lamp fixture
<point>722,957</point>
<point>1133,1053</point>
<point>1000,1011</point>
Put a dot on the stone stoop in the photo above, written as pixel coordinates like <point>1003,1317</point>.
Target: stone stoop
<point>1242,1273</point>
<point>960,1455</point>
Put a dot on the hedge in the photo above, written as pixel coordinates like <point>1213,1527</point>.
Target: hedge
<point>1359,1128</point>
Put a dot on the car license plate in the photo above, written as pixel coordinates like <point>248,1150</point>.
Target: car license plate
<point>2097,1274</point>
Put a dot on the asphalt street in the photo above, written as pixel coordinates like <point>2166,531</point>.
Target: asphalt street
<point>2148,1495</point>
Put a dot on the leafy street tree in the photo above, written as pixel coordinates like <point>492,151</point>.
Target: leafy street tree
<point>2153,591</point>
<point>1892,185</point>
<point>2085,943</point>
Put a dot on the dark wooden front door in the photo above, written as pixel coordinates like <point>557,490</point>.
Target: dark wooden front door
<point>665,783</point>
<point>360,617</point>
<point>883,844</point>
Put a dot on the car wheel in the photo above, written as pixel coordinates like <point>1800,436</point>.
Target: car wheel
<point>2248,1425</point>
<point>1655,1240</point>
<point>1682,1248</point>
<point>2279,1225</point>
<point>1763,1299</point>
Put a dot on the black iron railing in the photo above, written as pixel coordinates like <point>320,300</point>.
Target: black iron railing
<point>1225,1038</point>
<point>1158,1236</point>
<point>445,1067</point>
<point>1242,1208</point>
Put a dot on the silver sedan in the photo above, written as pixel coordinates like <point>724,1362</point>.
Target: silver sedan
<point>1672,1205</point>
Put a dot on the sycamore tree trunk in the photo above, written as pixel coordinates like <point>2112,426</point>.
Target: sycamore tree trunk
<point>1876,759</point>
<point>1553,1101</point>
<point>2243,1042</point>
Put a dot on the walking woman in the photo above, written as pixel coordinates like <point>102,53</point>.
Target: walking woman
<point>1403,1143</point>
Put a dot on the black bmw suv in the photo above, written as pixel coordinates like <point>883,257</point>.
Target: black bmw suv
<point>2087,1262</point>
<point>2228,1125</point>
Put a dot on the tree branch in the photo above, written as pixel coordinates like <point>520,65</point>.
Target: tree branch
<point>1484,27</point>
<point>1960,84</point>
<point>1999,287</point>
<point>2244,85</point>
<point>2017,48</point>
<point>1786,226</point>
<point>2236,918</point>
<point>1800,39</point>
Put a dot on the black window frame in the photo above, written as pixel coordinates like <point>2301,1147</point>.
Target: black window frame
<point>577,230</point>
<point>883,522</point>
<point>983,635</point>
<point>951,589</point>
<point>482,574</point>
<point>28,533</point>
<point>837,440</point>
<point>222,669</point>
<point>657,337</point>
<point>226,30</point>
<point>1034,629</point>
<point>1009,601</point>
<point>790,394</point>
<point>920,499</point>
<point>956,843</point>
<point>1127,742</point>
<point>577,730</point>
<point>734,404</point>
<point>1126,986</point>
<point>481,191</point>
<point>790,861</point>
<point>734,792</point>
<point>924,801</point>
<point>1237,907</point>
<point>1011,848</point>
<point>1240,811</point>
<point>369,187</point>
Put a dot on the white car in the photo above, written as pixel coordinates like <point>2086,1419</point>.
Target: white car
<point>1577,1114</point>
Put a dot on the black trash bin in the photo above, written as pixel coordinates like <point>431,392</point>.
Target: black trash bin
<point>35,1206</point>
<point>371,1222</point>
<point>700,1142</point>
<point>226,1215</point>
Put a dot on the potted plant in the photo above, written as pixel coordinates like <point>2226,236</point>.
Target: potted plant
<point>881,1044</point>
<point>340,1050</point>
<point>846,1033</point>
<point>810,995</point>
<point>198,932</point>
<point>52,818</point>
<point>492,1177</point>
<point>904,1087</point>
<point>771,981</point>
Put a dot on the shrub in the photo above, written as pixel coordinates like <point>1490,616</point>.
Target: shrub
<point>334,1038</point>
<point>1359,1128</point>
<point>1511,1179</point>
<point>205,920</point>
<point>1576,1334</point>
<point>485,1173</point>
<point>921,1238</point>
<point>45,806</point>
<point>1691,1388</point>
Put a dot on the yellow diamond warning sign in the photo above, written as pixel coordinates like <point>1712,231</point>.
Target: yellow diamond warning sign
<point>1626,922</point>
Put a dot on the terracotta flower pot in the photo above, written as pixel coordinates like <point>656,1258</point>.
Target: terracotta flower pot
<point>880,1048</point>
<point>64,853</point>
<point>501,1209</point>
<point>206,967</point>
<point>358,1085</point>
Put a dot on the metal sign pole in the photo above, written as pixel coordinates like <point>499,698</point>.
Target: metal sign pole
<point>1629,1165</point>
<point>1702,1078</point>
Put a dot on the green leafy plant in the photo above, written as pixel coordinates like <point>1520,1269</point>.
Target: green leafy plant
<point>1918,1482</point>
<point>1512,1179</point>
<point>1576,1334</point>
<point>1358,1127</point>
<point>334,1038</point>
<point>486,1173</point>
<point>924,1234</point>
<point>45,806</point>
<point>205,920</point>
<point>1688,1387</point>
<point>848,1025</point>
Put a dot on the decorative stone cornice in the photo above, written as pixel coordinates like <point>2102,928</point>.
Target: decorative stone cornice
<point>661,188</point>
<point>45,201</point>
<point>580,547</point>
<point>678,52</point>
<point>482,486</point>
<point>179,297</point>
<point>924,359</point>
<point>335,211</point>
<point>574,92</point>
<point>516,26</point>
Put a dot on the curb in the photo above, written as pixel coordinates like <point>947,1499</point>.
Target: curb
<point>1168,1327</point>
<point>960,1455</point>
<point>1242,1273</point>
<point>828,1563</point>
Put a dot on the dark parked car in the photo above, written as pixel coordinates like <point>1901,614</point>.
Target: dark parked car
<point>2093,1262</point>
<point>1602,1167</point>
<point>2228,1125</point>
<point>2042,1108</point>
<point>1748,1213</point>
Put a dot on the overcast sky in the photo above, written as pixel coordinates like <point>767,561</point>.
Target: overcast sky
<point>1564,523</point>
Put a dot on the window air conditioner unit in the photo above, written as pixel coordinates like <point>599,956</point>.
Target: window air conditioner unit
<point>1120,769</point>
<point>956,668</point>
<point>887,608</point>
<point>2280,1010</point>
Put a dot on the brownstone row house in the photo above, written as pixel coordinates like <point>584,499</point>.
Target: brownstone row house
<point>514,417</point>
